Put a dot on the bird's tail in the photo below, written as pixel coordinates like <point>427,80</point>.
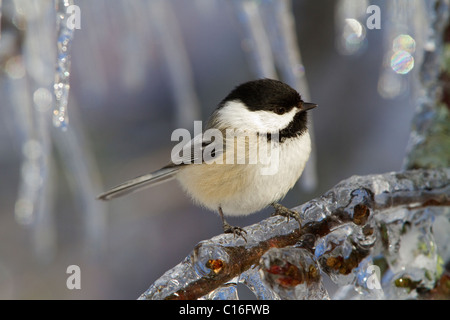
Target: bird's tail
<point>139,183</point>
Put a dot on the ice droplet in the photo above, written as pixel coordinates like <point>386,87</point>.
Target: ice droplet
<point>293,274</point>
<point>209,258</point>
<point>337,255</point>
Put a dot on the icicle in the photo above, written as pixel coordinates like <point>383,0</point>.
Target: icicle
<point>178,64</point>
<point>135,66</point>
<point>255,40</point>
<point>62,74</point>
<point>33,204</point>
<point>82,171</point>
<point>280,23</point>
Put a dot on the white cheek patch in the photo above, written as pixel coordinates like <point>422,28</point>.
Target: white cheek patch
<point>273,122</point>
<point>234,114</point>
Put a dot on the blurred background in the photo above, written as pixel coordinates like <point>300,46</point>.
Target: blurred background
<point>139,69</point>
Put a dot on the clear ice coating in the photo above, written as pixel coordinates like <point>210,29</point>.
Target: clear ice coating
<point>411,252</point>
<point>65,32</point>
<point>373,240</point>
<point>226,292</point>
<point>253,281</point>
<point>293,274</point>
<point>172,281</point>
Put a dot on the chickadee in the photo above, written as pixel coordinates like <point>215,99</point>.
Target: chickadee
<point>269,115</point>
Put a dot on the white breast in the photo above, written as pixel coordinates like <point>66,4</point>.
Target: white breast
<point>241,189</point>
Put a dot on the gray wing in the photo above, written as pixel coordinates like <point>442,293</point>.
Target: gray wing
<point>192,153</point>
<point>205,147</point>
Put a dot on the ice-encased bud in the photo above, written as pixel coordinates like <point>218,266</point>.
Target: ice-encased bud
<point>339,256</point>
<point>402,285</point>
<point>410,251</point>
<point>209,258</point>
<point>293,273</point>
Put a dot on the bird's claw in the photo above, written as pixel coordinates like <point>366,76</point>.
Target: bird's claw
<point>285,212</point>
<point>236,231</point>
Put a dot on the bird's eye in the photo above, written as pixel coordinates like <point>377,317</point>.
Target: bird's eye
<point>280,110</point>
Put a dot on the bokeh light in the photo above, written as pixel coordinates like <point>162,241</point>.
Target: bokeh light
<point>402,60</point>
<point>404,42</point>
<point>353,36</point>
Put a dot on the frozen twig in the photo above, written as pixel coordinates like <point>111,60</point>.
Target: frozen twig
<point>355,201</point>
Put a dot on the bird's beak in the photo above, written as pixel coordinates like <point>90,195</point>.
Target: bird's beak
<point>307,106</point>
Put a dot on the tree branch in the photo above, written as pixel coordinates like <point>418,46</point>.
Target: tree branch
<point>356,201</point>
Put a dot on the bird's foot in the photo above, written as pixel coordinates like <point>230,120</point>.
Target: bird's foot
<point>236,231</point>
<point>281,210</point>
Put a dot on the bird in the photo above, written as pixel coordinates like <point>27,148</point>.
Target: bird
<point>251,153</point>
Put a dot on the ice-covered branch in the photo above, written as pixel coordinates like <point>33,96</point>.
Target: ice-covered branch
<point>340,231</point>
